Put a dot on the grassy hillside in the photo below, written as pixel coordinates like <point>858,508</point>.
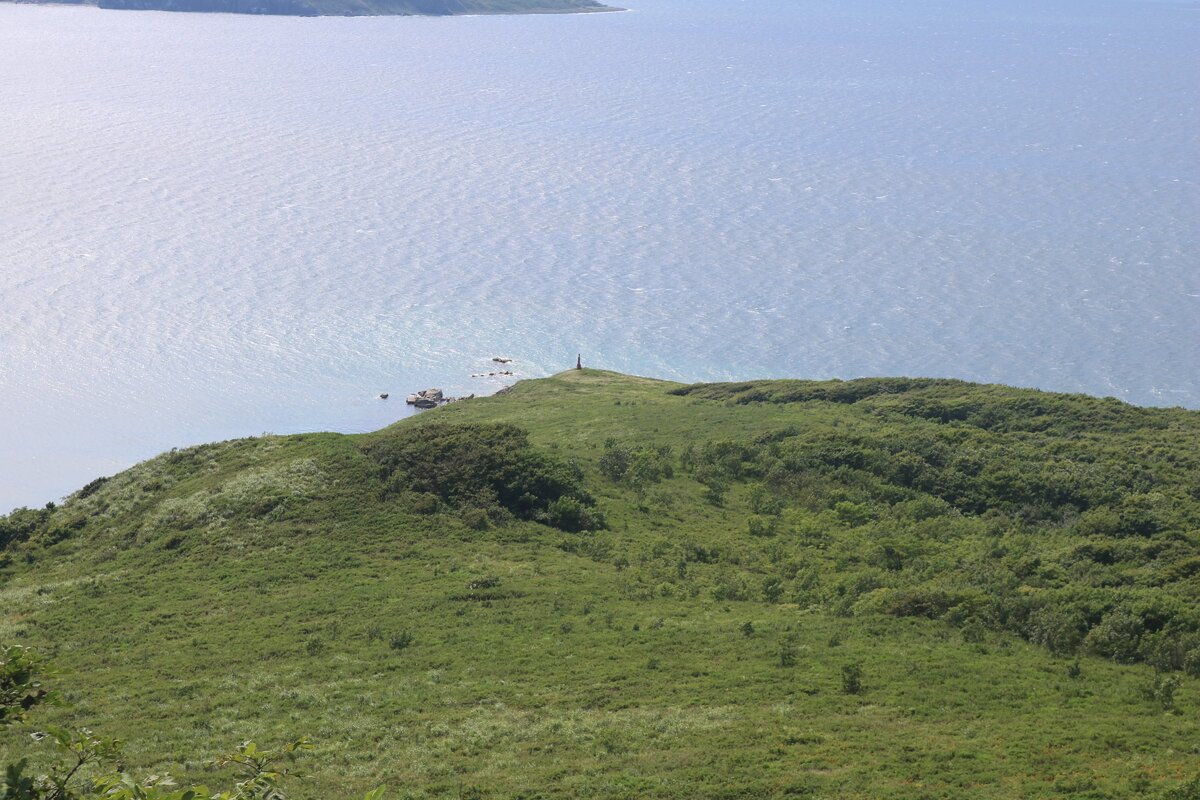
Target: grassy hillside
<point>604,586</point>
<point>309,8</point>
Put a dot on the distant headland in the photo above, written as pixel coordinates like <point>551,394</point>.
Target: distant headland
<point>352,8</point>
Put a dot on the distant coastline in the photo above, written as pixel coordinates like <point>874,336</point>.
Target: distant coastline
<point>347,8</point>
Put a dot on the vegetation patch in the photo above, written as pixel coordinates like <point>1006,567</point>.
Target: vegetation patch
<point>889,597</point>
<point>489,467</point>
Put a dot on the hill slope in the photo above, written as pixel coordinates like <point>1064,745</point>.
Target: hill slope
<point>599,585</point>
<point>351,8</point>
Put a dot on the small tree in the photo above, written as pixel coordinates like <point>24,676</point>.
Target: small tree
<point>788,650</point>
<point>1162,690</point>
<point>852,678</point>
<point>614,463</point>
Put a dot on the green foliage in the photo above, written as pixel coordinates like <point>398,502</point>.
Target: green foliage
<point>1073,515</point>
<point>789,650</point>
<point>21,525</point>
<point>636,467</point>
<point>1185,791</point>
<point>80,752</point>
<point>477,519</point>
<point>852,675</point>
<point>484,465</point>
<point>1060,629</point>
<point>572,515</point>
<point>965,545</point>
<point>760,526</point>
<point>1117,636</point>
<point>614,462</point>
<point>765,502</point>
<point>21,687</point>
<point>1162,690</point>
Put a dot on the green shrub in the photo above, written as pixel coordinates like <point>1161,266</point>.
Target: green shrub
<point>852,675</point>
<point>772,589</point>
<point>421,502</point>
<point>482,465</point>
<point>788,651</point>
<point>1118,636</point>
<point>1191,662</point>
<point>571,515</point>
<point>476,519</point>
<point>1162,689</point>
<point>764,501</point>
<point>714,490</point>
<point>760,526</point>
<point>1060,629</point>
<point>730,587</point>
<point>853,514</point>
<point>1184,791</point>
<point>614,462</point>
<point>918,603</point>
<point>21,525</point>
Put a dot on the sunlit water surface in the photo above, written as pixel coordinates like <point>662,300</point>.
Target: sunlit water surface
<point>213,226</point>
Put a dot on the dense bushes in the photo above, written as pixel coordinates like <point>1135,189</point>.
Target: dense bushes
<point>634,466</point>
<point>995,408</point>
<point>21,525</point>
<point>1071,521</point>
<point>484,466</point>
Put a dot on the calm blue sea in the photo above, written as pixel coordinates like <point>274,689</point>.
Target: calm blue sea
<point>213,226</point>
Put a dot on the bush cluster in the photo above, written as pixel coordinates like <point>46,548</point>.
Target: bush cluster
<point>1069,520</point>
<point>485,467</point>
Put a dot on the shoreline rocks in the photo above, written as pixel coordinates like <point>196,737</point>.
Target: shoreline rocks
<point>432,398</point>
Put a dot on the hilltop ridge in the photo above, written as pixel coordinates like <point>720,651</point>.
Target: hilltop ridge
<point>606,585</point>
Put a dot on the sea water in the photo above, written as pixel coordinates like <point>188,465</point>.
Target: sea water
<point>218,225</point>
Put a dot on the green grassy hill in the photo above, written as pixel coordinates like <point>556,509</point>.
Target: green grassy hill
<point>598,585</point>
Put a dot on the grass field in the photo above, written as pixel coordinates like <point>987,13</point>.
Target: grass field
<point>921,589</point>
